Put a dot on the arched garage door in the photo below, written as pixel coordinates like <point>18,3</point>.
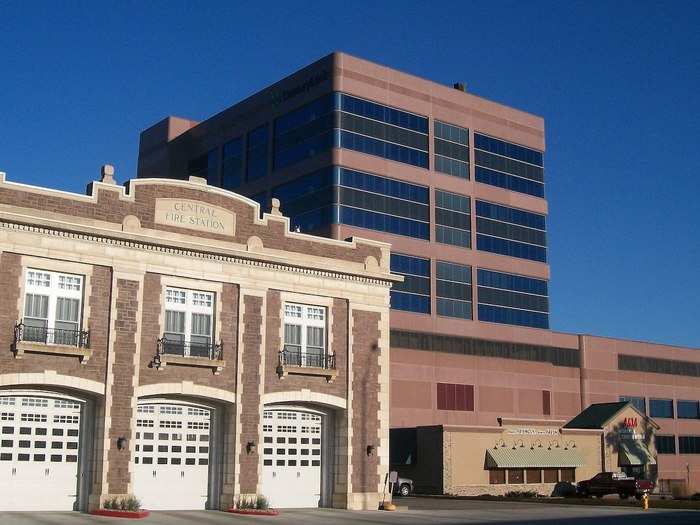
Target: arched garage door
<point>293,458</point>
<point>172,458</point>
<point>40,451</point>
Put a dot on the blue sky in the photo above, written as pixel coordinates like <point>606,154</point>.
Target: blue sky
<point>617,82</point>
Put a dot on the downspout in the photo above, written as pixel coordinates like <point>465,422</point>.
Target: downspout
<point>583,376</point>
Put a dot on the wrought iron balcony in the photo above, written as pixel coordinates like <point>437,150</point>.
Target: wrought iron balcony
<point>51,336</point>
<point>189,349</point>
<point>297,358</point>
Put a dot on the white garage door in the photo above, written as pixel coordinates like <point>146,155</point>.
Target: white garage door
<point>40,438</point>
<point>292,458</point>
<point>172,455</point>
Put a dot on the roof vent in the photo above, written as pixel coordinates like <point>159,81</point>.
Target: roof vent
<point>460,86</point>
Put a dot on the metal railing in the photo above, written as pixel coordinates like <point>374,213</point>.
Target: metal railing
<point>52,336</point>
<point>297,358</point>
<point>189,349</point>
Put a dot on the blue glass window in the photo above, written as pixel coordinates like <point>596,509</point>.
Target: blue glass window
<point>689,444</point>
<point>510,166</point>
<point>261,198</point>
<point>308,200</point>
<point>413,294</point>
<point>232,173</point>
<point>383,113</point>
<point>379,130</point>
<point>665,444</point>
<point>358,199</point>
<point>640,403</point>
<point>304,132</point>
<point>509,231</point>
<point>493,314</point>
<point>512,299</point>
<point>257,153</point>
<point>383,204</point>
<point>383,185</point>
<point>451,148</point>
<point>453,290</point>
<point>383,149</point>
<point>509,182</point>
<point>383,222</point>
<point>452,219</point>
<point>205,166</point>
<point>661,408</point>
<point>688,409</point>
<point>507,149</point>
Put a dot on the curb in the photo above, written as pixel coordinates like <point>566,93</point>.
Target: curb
<point>129,514</point>
<point>254,512</point>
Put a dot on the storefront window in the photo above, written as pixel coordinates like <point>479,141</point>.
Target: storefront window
<point>568,475</point>
<point>515,476</point>
<point>497,477</point>
<point>533,475</point>
<point>551,475</point>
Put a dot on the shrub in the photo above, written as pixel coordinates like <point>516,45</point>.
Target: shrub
<point>130,503</point>
<point>133,503</point>
<point>522,494</point>
<point>259,502</point>
<point>245,503</point>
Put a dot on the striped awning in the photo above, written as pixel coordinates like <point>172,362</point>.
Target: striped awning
<point>634,452</point>
<point>539,457</point>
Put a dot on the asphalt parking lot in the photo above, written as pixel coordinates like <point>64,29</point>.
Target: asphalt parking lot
<point>414,511</point>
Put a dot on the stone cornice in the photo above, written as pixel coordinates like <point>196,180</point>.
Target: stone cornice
<point>113,238</point>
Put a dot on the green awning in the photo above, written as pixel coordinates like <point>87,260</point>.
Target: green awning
<point>634,452</point>
<point>539,457</point>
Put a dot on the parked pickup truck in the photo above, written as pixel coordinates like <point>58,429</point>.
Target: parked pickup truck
<point>614,483</point>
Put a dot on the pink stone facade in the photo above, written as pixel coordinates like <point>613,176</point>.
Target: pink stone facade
<point>502,387</point>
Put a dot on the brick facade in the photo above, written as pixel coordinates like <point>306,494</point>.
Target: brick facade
<point>365,401</point>
<point>250,392</point>
<point>338,335</point>
<point>122,387</point>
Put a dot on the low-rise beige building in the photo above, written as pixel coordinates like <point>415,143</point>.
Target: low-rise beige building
<point>546,456</point>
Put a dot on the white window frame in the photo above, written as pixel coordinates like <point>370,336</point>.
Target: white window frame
<point>191,303</point>
<point>55,286</point>
<point>306,316</point>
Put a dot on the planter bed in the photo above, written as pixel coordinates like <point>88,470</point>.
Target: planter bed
<point>254,512</point>
<point>114,513</point>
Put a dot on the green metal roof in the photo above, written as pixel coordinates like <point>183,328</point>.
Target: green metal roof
<point>596,415</point>
<point>539,457</point>
<point>634,452</point>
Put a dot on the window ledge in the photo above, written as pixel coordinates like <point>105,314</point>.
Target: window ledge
<point>22,347</point>
<point>217,365</point>
<point>329,373</point>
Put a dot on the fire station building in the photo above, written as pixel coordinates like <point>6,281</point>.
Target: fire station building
<point>163,339</point>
